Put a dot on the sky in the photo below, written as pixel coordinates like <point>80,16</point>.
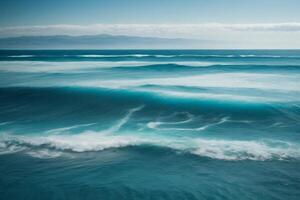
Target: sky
<point>239,23</point>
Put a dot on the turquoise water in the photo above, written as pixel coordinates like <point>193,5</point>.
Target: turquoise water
<point>150,124</point>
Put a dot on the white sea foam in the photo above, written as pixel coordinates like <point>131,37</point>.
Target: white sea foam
<point>164,56</point>
<point>86,141</point>
<point>216,149</point>
<point>123,120</point>
<point>113,56</point>
<point>157,125</point>
<point>21,56</point>
<point>223,97</point>
<point>7,148</point>
<point>189,118</point>
<point>57,138</point>
<point>65,129</point>
<point>208,55</point>
<point>241,150</point>
<point>44,153</point>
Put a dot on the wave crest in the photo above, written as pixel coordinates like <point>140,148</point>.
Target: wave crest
<point>93,141</point>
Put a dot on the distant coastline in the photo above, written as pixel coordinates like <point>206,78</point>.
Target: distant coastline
<point>102,41</point>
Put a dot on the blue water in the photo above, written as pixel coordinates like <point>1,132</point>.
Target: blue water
<point>150,124</point>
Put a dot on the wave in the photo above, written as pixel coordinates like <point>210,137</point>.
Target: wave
<point>267,81</point>
<point>62,111</point>
<point>58,142</point>
<point>188,68</point>
<point>267,56</point>
<point>141,55</point>
<point>237,56</point>
<point>213,96</point>
<point>100,66</point>
<point>46,146</point>
<point>44,153</point>
<point>162,56</point>
<point>75,67</point>
<point>62,99</point>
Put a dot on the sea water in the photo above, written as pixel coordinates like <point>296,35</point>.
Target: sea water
<point>150,124</point>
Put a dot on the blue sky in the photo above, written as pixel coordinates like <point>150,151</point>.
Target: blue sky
<point>46,12</point>
<point>241,23</point>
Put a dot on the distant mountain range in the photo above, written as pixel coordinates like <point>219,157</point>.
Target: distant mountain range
<point>97,42</point>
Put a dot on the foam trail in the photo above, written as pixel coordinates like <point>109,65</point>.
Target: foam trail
<point>64,129</point>
<point>116,127</point>
<point>155,125</point>
<point>5,123</point>
<point>21,56</point>
<point>124,120</point>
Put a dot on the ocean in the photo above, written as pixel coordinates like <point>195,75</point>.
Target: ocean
<point>150,124</point>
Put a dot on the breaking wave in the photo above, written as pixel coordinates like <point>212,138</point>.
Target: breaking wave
<point>46,146</point>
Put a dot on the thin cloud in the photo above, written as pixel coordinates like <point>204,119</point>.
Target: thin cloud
<point>156,30</point>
